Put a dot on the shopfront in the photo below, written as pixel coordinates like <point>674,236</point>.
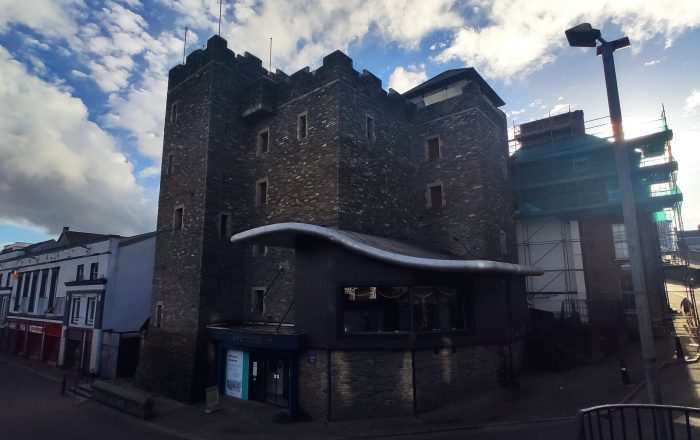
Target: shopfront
<point>38,340</point>
<point>256,363</point>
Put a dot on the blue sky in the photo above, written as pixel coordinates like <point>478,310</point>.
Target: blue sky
<point>83,83</point>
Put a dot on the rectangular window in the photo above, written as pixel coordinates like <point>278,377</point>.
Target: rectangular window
<point>257,304</point>
<point>627,290</point>
<point>259,250</point>
<point>8,276</point>
<point>261,192</point>
<point>94,269</point>
<point>20,280</point>
<point>223,225</point>
<point>169,165</point>
<point>91,306</point>
<point>302,126</point>
<point>432,149</point>
<point>619,235</point>
<point>80,272</point>
<point>369,125</point>
<point>159,315</point>
<point>435,196</point>
<point>264,141</point>
<point>173,112</point>
<point>52,288</point>
<point>178,218</point>
<point>32,295</point>
<point>388,309</point>
<point>44,282</point>
<point>75,311</point>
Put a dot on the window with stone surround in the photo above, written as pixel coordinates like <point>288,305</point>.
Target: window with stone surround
<point>263,141</point>
<point>178,218</point>
<point>435,197</point>
<point>302,125</point>
<point>159,315</point>
<point>261,192</point>
<point>432,148</point>
<point>169,165</point>
<point>174,107</point>
<point>257,301</point>
<point>369,127</point>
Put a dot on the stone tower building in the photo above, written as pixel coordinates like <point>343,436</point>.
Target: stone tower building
<point>244,147</point>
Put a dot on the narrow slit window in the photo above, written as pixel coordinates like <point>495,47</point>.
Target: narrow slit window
<point>432,149</point>
<point>264,141</point>
<point>261,193</point>
<point>169,166</point>
<point>370,128</point>
<point>178,218</point>
<point>159,315</point>
<point>223,225</point>
<point>302,126</point>
<point>173,112</point>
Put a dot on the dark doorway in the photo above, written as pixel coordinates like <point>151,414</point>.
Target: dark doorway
<point>268,379</point>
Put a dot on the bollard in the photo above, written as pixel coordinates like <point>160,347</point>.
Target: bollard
<point>679,349</point>
<point>63,385</point>
<point>623,372</point>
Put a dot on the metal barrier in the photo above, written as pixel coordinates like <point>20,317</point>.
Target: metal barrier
<point>638,421</point>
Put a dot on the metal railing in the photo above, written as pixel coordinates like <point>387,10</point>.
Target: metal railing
<point>638,421</point>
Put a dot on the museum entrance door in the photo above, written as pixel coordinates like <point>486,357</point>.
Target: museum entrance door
<point>268,379</point>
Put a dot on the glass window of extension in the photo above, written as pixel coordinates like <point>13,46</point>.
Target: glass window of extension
<point>388,309</point>
<point>376,309</point>
<point>619,235</point>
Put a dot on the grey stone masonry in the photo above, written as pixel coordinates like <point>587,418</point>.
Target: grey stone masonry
<point>338,151</point>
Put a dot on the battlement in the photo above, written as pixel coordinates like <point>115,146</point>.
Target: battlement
<point>216,50</point>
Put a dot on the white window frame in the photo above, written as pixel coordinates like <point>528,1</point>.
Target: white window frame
<point>91,310</point>
<point>75,310</point>
<point>620,244</point>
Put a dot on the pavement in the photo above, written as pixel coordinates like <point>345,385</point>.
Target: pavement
<point>540,405</point>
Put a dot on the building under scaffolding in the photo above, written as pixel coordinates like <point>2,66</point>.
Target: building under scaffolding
<point>570,218</point>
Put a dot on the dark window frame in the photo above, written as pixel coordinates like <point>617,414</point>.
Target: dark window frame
<point>80,272</point>
<point>94,270</point>
<point>179,218</point>
<point>433,152</point>
<point>303,125</point>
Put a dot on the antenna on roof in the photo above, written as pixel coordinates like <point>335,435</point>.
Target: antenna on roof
<point>270,70</point>
<point>184,47</point>
<point>220,2</point>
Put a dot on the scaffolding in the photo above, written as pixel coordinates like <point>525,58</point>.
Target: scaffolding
<point>564,170</point>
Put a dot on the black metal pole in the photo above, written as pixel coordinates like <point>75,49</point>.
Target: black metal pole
<point>629,213</point>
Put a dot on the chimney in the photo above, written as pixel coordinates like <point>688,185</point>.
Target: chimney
<point>65,229</point>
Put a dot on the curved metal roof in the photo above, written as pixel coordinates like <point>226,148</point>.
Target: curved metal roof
<point>378,248</point>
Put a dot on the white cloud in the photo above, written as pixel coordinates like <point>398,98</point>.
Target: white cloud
<point>404,79</point>
<point>303,32</point>
<point>521,36</point>
<point>58,167</point>
<point>652,62</point>
<point>692,102</point>
<point>51,18</point>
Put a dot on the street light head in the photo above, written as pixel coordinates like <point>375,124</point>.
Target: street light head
<point>582,35</point>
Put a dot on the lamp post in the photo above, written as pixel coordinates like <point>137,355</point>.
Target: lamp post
<point>584,35</point>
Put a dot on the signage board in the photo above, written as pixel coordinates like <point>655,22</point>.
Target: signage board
<point>236,374</point>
